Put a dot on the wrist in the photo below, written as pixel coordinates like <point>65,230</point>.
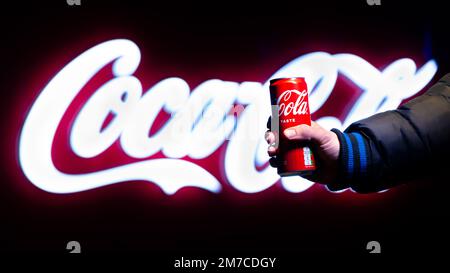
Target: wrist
<point>353,159</point>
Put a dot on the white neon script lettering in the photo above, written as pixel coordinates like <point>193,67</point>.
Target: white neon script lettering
<point>198,124</point>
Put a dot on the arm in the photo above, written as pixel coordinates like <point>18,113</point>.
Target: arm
<point>385,149</point>
<point>395,146</point>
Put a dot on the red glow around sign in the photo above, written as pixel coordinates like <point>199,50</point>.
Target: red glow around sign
<point>66,160</point>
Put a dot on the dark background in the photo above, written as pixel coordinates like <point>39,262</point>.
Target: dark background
<point>238,42</point>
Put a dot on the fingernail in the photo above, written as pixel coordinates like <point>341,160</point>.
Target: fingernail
<point>289,133</point>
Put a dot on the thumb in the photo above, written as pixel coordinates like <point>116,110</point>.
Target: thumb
<point>305,132</point>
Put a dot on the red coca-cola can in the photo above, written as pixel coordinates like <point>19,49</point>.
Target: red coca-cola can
<point>290,107</point>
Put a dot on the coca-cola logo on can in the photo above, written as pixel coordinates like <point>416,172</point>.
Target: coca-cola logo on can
<point>286,106</point>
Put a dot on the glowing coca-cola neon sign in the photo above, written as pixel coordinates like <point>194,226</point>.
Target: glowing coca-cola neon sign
<point>185,134</point>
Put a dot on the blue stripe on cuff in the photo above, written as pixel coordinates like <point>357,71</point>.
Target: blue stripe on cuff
<point>362,152</point>
<point>350,156</point>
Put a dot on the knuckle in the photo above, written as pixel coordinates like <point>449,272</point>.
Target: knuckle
<point>299,131</point>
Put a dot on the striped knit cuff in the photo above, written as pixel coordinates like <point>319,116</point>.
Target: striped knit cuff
<point>353,158</point>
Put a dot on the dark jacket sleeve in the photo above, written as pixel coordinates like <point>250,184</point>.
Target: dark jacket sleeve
<point>397,146</point>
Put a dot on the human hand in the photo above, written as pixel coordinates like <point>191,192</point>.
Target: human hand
<point>324,144</point>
